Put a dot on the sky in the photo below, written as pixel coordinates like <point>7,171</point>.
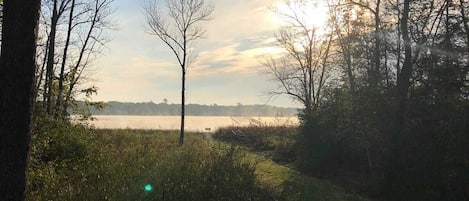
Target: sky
<point>138,67</point>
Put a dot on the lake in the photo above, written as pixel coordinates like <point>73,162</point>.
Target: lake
<point>192,123</point>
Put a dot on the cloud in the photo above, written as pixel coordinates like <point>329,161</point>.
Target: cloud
<point>241,18</point>
<point>137,78</point>
<point>242,57</point>
<point>139,67</point>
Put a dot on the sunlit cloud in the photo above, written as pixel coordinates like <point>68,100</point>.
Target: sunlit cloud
<point>234,20</point>
<point>244,57</point>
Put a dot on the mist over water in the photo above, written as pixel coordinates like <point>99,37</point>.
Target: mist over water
<point>192,123</point>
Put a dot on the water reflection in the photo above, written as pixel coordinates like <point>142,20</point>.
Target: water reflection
<point>193,123</point>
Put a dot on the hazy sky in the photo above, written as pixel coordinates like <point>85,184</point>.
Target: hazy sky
<point>137,67</point>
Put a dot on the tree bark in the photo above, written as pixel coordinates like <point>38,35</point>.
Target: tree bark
<point>50,59</point>
<point>17,71</point>
<point>403,80</point>
<point>183,100</point>
<point>75,72</point>
<point>403,84</point>
<point>464,20</point>
<point>61,110</point>
<point>185,15</point>
<point>377,53</point>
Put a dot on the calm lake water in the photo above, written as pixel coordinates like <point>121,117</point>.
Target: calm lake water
<point>192,123</point>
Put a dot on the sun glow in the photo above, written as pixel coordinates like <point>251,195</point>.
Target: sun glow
<point>312,13</point>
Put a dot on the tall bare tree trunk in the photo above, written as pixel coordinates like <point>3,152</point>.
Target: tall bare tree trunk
<point>183,103</point>
<point>377,53</point>
<point>50,59</point>
<point>185,15</point>
<point>403,84</point>
<point>403,80</point>
<point>61,110</point>
<point>17,70</point>
<point>75,72</point>
<point>183,89</point>
<point>40,78</point>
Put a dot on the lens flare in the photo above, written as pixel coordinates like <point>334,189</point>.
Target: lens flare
<point>148,187</point>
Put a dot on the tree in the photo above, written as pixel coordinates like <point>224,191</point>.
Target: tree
<point>400,110</point>
<point>374,69</point>
<point>96,22</point>
<point>1,16</point>
<point>302,71</point>
<point>17,68</point>
<point>64,59</point>
<point>178,29</point>
<point>360,38</point>
<point>78,28</point>
<point>58,8</point>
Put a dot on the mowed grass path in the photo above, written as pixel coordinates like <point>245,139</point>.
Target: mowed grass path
<point>292,185</point>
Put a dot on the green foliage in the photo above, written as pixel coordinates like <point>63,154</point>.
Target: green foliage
<point>72,162</point>
<point>351,143</point>
<point>393,120</point>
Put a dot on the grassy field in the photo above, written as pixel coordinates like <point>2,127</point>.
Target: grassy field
<point>271,148</point>
<point>292,185</point>
<point>73,162</point>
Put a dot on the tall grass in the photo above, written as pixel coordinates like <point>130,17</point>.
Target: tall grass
<point>276,141</point>
<point>73,162</point>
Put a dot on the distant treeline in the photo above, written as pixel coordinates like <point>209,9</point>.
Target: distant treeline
<point>165,109</point>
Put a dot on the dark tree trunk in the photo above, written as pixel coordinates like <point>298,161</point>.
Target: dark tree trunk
<point>50,60</point>
<point>183,89</point>
<point>183,114</point>
<point>377,53</point>
<point>17,67</point>
<point>75,72</point>
<point>464,20</point>
<point>58,105</point>
<point>403,84</point>
<point>403,79</point>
